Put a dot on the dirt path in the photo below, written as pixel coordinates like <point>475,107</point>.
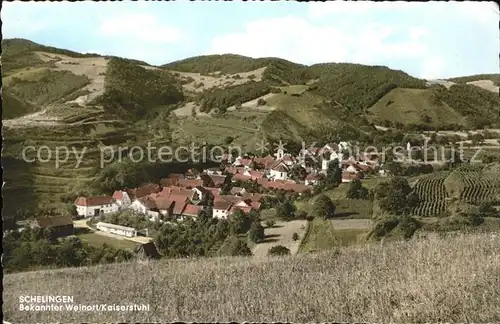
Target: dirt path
<point>281,234</point>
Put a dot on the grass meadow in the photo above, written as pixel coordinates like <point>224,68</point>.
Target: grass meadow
<point>438,279</point>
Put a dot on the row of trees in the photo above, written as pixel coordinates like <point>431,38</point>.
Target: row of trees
<point>35,248</point>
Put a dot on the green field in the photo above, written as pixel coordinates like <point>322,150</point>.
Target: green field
<point>98,240</point>
<point>411,106</point>
<point>320,236</point>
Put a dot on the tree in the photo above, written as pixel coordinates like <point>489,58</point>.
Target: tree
<point>295,237</point>
<point>278,250</point>
<point>227,185</point>
<point>240,223</point>
<point>298,173</point>
<point>333,173</point>
<point>256,232</point>
<point>323,207</point>
<point>356,190</point>
<point>396,196</point>
<point>285,210</point>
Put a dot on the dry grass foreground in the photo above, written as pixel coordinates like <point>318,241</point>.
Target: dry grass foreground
<point>453,279</point>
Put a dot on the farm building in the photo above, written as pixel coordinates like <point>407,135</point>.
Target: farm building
<point>116,229</point>
<point>60,225</point>
<point>122,198</point>
<point>147,250</point>
<point>95,206</point>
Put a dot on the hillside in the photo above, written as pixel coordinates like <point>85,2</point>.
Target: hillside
<point>451,279</point>
<point>56,97</point>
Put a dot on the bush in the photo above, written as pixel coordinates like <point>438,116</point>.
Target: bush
<point>278,250</point>
<point>261,102</point>
<point>270,223</point>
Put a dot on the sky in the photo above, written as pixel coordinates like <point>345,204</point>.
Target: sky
<point>425,39</point>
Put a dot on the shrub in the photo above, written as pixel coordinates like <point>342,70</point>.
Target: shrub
<point>278,250</point>
<point>270,223</point>
<point>261,102</point>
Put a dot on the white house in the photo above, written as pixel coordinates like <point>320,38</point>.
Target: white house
<point>122,199</point>
<point>145,206</point>
<point>279,172</point>
<point>213,171</point>
<point>116,229</point>
<point>221,209</point>
<point>312,178</point>
<point>352,169</point>
<point>333,155</point>
<point>95,206</point>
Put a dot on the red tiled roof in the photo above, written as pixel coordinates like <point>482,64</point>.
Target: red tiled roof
<point>144,190</point>
<point>94,201</point>
<point>222,205</point>
<point>118,194</point>
<point>218,179</point>
<point>241,177</point>
<point>190,183</point>
<point>253,196</point>
<point>148,201</point>
<point>213,191</point>
<point>312,176</point>
<point>262,181</point>
<point>266,162</point>
<point>297,187</point>
<point>168,182</point>
<point>349,176</point>
<point>191,210</point>
<point>245,161</point>
<point>179,206</point>
<point>232,199</point>
<point>255,205</point>
<point>256,174</point>
<point>163,203</point>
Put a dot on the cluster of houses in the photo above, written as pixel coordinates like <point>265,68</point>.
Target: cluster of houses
<point>184,195</point>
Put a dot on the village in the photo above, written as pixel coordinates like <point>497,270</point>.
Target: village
<point>240,183</point>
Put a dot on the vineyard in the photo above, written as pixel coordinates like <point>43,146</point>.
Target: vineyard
<point>431,187</point>
<point>432,195</point>
<point>473,187</point>
<point>430,208</point>
<point>468,184</point>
